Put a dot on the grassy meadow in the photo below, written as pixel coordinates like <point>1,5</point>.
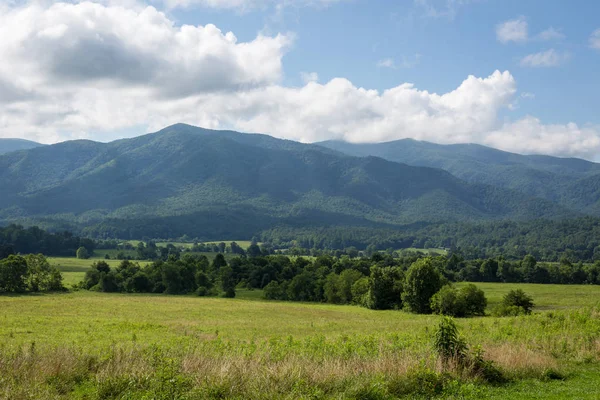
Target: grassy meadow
<point>121,346</point>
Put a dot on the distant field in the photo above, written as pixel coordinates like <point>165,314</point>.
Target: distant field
<point>242,243</point>
<point>74,269</point>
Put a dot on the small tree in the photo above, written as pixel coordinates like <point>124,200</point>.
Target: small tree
<point>41,276</point>
<point>423,280</point>
<point>385,288</point>
<point>474,299</point>
<point>228,282</point>
<point>82,253</point>
<point>13,273</point>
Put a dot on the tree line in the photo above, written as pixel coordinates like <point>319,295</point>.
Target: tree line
<point>15,239</point>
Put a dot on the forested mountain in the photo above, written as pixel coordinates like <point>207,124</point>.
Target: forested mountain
<point>571,182</point>
<point>8,145</point>
<point>215,184</point>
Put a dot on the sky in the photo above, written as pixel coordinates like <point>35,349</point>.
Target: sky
<point>516,75</point>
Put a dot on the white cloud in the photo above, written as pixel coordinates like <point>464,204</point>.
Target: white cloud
<point>72,71</point>
<point>530,136</point>
<point>386,63</point>
<point>514,30</point>
<point>308,77</point>
<point>550,34</point>
<point>517,30</point>
<point>548,58</point>
<point>527,95</point>
<point>595,39</point>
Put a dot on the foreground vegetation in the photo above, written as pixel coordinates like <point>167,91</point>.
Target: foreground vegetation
<point>113,346</point>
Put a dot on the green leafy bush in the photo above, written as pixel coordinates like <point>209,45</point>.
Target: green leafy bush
<point>516,302</point>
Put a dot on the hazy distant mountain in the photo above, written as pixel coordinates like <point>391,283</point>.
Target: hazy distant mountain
<point>572,182</point>
<point>8,145</point>
<point>219,184</point>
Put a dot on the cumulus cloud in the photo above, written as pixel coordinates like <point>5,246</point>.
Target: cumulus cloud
<point>514,30</point>
<point>548,58</point>
<point>78,70</point>
<point>77,44</point>
<point>595,39</point>
<point>309,77</point>
<point>530,135</point>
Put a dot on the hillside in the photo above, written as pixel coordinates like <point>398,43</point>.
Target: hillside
<point>560,180</point>
<point>216,184</point>
<point>8,145</point>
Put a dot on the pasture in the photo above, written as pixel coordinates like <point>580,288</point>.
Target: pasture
<point>113,346</point>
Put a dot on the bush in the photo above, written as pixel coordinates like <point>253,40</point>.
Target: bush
<point>448,301</point>
<point>514,303</point>
<point>448,343</point>
<point>518,298</point>
<point>502,310</point>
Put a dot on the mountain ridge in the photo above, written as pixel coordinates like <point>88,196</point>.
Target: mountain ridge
<point>8,145</point>
<point>188,171</point>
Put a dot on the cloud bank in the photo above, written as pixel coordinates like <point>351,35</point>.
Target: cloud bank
<point>92,70</point>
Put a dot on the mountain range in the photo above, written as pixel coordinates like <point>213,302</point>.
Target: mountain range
<point>570,182</point>
<point>8,145</point>
<point>224,184</point>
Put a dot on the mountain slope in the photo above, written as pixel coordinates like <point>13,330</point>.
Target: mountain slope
<point>209,183</point>
<point>551,178</point>
<point>8,145</point>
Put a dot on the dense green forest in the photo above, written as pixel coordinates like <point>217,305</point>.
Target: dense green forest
<point>549,240</point>
<point>16,239</point>
<point>570,182</point>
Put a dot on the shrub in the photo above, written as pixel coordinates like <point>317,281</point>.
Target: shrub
<point>502,310</point>
<point>514,303</point>
<point>448,301</point>
<point>518,298</point>
<point>274,291</point>
<point>447,342</point>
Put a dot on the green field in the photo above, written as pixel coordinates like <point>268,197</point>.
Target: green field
<point>74,269</point>
<point>122,346</point>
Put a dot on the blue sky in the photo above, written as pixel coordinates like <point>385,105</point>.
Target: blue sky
<point>516,75</point>
<point>434,51</point>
